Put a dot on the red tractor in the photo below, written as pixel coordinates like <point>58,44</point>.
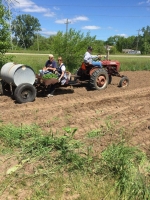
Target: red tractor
<point>99,78</point>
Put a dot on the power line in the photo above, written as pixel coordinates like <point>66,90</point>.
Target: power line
<point>96,6</point>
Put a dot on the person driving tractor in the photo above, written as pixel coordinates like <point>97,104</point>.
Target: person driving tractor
<point>88,58</point>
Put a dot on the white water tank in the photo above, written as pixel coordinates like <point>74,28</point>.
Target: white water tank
<point>16,74</point>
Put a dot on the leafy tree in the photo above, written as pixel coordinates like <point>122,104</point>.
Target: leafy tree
<point>71,46</point>
<point>4,35</point>
<point>111,41</point>
<point>145,47</point>
<point>131,42</point>
<point>41,43</point>
<point>25,29</point>
<point>4,29</point>
<point>99,47</point>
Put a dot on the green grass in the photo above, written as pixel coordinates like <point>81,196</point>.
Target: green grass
<point>137,63</point>
<point>128,63</point>
<point>45,166</point>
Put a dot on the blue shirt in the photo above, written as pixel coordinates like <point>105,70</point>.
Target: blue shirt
<point>52,64</point>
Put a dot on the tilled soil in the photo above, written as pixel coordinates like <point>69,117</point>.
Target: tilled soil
<point>127,108</point>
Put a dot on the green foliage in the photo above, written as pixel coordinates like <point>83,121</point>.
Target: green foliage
<point>122,164</point>
<point>127,63</point>
<point>41,43</point>
<point>51,166</point>
<point>49,75</point>
<point>24,28</point>
<point>71,46</point>
<point>33,144</point>
<point>13,136</point>
<point>4,59</point>
<point>4,30</point>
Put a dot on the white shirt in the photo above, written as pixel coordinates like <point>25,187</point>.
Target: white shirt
<point>88,57</point>
<point>63,68</point>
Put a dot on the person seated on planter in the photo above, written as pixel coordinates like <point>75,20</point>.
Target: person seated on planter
<point>88,58</point>
<point>64,77</point>
<point>50,66</point>
<point>62,74</point>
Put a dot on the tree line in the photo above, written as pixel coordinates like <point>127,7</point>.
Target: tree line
<point>24,33</point>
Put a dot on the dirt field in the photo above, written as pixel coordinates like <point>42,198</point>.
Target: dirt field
<point>89,110</point>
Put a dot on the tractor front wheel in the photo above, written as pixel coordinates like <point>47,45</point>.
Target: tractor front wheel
<point>124,82</point>
<point>99,79</point>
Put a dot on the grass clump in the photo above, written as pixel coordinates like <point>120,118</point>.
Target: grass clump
<point>122,163</point>
<point>46,166</point>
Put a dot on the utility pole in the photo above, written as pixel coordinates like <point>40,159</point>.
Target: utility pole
<point>67,22</point>
<point>37,41</point>
<point>137,40</point>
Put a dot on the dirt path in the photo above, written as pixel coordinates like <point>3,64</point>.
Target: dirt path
<point>89,110</point>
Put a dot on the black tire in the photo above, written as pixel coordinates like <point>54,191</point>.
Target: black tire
<point>1,88</point>
<point>124,82</point>
<point>24,93</point>
<point>99,79</point>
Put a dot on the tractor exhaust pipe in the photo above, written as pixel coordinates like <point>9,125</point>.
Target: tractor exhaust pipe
<point>108,49</point>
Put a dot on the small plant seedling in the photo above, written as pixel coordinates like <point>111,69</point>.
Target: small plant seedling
<point>49,75</point>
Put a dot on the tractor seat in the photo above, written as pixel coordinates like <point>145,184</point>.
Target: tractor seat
<point>84,66</point>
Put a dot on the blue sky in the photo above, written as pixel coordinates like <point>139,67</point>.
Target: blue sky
<point>102,18</point>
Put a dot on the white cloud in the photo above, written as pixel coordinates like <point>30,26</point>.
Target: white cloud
<point>35,8</point>
<point>56,8</point>
<point>91,27</point>
<point>61,21</point>
<point>49,14</point>
<point>142,2</point>
<point>73,20</point>
<point>109,27</point>
<point>23,3</point>
<point>47,33</point>
<point>80,18</point>
<point>123,35</point>
<point>31,7</point>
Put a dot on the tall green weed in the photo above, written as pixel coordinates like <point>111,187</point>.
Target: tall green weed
<point>122,163</point>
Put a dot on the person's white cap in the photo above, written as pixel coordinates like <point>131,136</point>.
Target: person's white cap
<point>51,56</point>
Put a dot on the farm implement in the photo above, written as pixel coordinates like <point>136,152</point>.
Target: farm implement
<point>23,84</point>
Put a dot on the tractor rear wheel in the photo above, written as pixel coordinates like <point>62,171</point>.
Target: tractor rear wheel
<point>99,79</point>
<point>24,93</point>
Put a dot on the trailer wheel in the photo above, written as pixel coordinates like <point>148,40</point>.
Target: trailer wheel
<point>99,79</point>
<point>124,82</point>
<point>1,87</point>
<point>24,93</point>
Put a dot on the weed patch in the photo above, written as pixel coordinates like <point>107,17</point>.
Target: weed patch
<point>58,167</point>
